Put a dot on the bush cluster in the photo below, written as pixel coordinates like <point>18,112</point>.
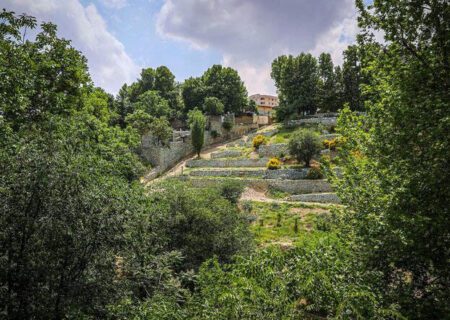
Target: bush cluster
<point>332,144</point>
<point>274,164</point>
<point>258,141</point>
<point>231,190</point>
<point>314,173</point>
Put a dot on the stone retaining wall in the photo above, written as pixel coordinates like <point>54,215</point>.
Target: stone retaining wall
<point>316,197</point>
<point>273,150</point>
<point>227,163</point>
<point>321,120</point>
<point>301,186</point>
<point>281,174</point>
<point>288,186</point>
<point>162,158</point>
<point>286,174</point>
<point>228,173</point>
<point>226,154</point>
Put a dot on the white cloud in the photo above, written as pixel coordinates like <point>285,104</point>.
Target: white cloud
<point>115,4</point>
<point>251,33</point>
<point>336,40</point>
<point>109,64</point>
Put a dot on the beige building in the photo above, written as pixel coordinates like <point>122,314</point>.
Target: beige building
<point>266,105</point>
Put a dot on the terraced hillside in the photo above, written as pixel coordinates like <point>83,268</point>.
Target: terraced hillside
<point>239,161</point>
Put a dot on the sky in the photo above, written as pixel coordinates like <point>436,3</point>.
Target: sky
<point>120,37</point>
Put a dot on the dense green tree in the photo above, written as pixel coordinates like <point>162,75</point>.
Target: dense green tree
<point>32,91</point>
<point>164,81</point>
<point>161,130</point>
<point>339,88</point>
<point>313,280</point>
<point>152,103</point>
<point>64,200</point>
<point>304,144</point>
<point>134,91</point>
<point>213,106</point>
<point>122,106</point>
<point>64,179</point>
<point>297,82</point>
<point>147,81</point>
<point>140,120</point>
<point>197,123</point>
<point>199,224</point>
<point>144,123</point>
<point>252,107</point>
<point>193,92</point>
<point>225,84</point>
<point>352,78</point>
<point>395,160</point>
<point>77,230</point>
<point>327,96</point>
<point>101,104</point>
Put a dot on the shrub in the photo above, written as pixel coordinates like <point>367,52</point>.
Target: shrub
<point>227,124</point>
<point>231,190</point>
<point>314,173</point>
<point>259,140</point>
<point>304,145</point>
<point>180,214</point>
<point>247,206</point>
<point>214,134</point>
<point>332,144</point>
<point>274,164</point>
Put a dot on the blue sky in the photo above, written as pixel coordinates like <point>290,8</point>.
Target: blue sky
<point>119,37</point>
<point>134,26</point>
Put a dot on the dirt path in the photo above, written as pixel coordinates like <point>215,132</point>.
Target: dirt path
<point>205,154</point>
<point>251,194</point>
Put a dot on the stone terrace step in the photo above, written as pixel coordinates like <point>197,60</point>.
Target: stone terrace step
<point>326,197</point>
<point>259,173</point>
<point>226,154</point>
<point>296,187</point>
<point>227,163</point>
<point>286,174</point>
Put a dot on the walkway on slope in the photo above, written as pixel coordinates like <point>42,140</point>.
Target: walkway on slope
<point>205,154</point>
<point>251,194</point>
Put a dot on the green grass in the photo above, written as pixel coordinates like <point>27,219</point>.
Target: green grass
<point>267,231</point>
<point>277,194</point>
<point>282,136</point>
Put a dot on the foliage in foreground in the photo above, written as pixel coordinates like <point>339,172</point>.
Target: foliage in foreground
<point>77,230</point>
<point>316,279</point>
<point>395,160</point>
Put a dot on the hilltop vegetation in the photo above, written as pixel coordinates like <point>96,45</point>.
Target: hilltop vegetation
<point>81,238</point>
